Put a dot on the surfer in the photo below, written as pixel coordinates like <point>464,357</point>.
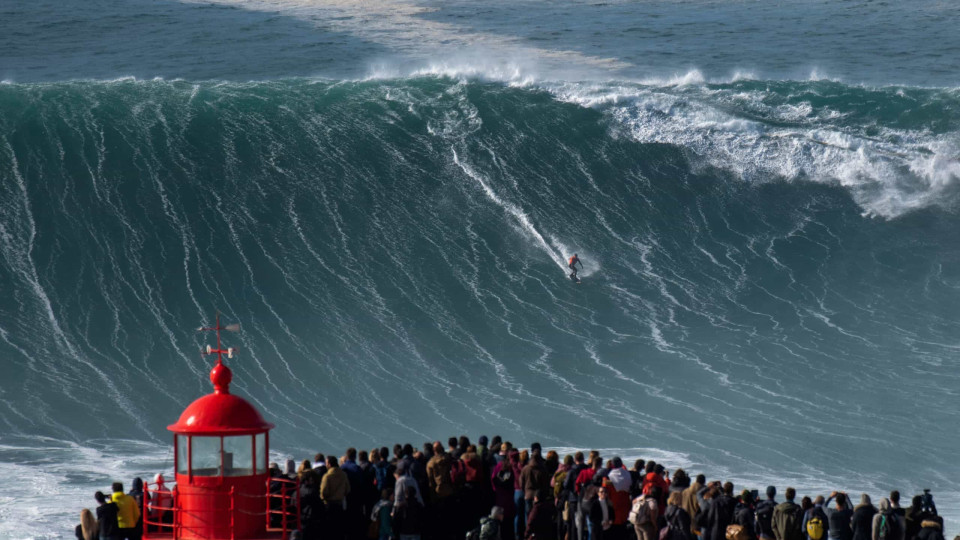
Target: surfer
<point>573,266</point>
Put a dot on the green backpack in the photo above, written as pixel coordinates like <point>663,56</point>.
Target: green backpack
<point>889,526</point>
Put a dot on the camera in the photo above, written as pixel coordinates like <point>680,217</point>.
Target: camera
<point>926,504</point>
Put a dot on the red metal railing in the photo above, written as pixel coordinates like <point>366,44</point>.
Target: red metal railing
<point>155,514</point>
<point>289,489</point>
<point>153,505</point>
<point>177,528</point>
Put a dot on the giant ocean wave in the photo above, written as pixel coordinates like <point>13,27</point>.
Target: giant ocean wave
<point>771,282</point>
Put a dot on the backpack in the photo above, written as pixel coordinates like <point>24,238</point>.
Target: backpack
<point>640,512</point>
<point>635,509</point>
<point>673,530</point>
<point>380,476</point>
<point>558,480</point>
<point>505,475</point>
<point>737,532</point>
<point>815,527</point>
<point>570,481</point>
<point>489,529</point>
<point>764,519</point>
<point>889,527</point>
<point>792,519</point>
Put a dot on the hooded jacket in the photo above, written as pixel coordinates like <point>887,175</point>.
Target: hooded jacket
<point>534,478</point>
<point>127,512</point>
<point>620,479</point>
<point>654,479</point>
<point>473,467</point>
<point>862,521</point>
<point>886,511</point>
<point>913,519</point>
<point>438,475</point>
<point>930,530</point>
<point>786,522</point>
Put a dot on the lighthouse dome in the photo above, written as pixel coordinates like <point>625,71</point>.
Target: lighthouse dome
<point>220,413</point>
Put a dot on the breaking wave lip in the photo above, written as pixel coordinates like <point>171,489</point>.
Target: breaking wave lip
<point>889,174</point>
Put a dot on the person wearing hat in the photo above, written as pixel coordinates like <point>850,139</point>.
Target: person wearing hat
<point>743,514</point>
<point>404,480</point>
<point>862,521</point>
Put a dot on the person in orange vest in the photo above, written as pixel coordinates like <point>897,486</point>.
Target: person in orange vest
<point>127,513</point>
<point>573,266</point>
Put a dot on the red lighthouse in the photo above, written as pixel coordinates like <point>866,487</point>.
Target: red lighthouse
<point>221,446</point>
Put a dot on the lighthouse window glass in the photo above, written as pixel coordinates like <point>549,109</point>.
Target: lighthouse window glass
<point>238,455</point>
<point>261,439</point>
<point>182,463</point>
<point>206,456</point>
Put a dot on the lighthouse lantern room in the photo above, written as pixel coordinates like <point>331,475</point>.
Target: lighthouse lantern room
<point>221,446</point>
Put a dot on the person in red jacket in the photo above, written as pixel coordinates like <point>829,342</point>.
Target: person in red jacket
<point>655,477</point>
<point>586,476</point>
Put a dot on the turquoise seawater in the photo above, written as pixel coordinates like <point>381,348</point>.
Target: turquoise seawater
<point>764,195</point>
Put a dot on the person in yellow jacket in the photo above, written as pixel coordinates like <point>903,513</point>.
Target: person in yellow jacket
<point>128,513</point>
<point>334,488</point>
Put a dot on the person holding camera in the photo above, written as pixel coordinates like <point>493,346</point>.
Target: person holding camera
<point>838,519</point>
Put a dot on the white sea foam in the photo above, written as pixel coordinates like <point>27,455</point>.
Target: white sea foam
<point>521,220</point>
<point>888,176</point>
<point>690,77</point>
<point>899,171</point>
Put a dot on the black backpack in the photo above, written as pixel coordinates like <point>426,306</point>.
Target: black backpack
<point>675,530</point>
<point>889,527</point>
<point>570,482</point>
<point>764,518</point>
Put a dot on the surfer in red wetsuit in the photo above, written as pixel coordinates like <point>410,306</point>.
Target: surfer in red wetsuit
<point>573,266</point>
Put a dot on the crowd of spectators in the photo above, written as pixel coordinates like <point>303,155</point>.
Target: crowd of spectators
<point>494,491</point>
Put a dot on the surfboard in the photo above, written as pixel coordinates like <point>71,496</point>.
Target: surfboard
<point>575,279</point>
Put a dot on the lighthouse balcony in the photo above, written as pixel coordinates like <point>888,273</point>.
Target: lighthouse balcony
<point>222,512</point>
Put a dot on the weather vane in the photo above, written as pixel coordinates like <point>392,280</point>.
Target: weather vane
<point>219,351</point>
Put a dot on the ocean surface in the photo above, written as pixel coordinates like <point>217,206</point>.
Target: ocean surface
<point>765,197</point>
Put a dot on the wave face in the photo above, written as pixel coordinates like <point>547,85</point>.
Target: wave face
<point>771,280</point>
